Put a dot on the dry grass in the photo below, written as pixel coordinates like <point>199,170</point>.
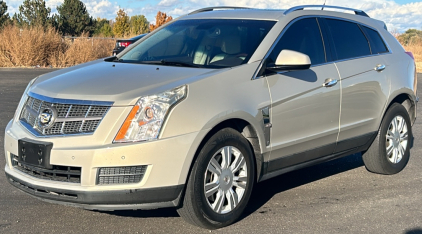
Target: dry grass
<point>36,46</point>
<point>416,48</point>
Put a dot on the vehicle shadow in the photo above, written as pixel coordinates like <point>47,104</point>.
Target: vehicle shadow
<point>414,231</point>
<point>264,191</point>
<point>158,213</point>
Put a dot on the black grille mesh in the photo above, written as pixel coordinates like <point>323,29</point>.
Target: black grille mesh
<point>121,175</point>
<point>58,173</point>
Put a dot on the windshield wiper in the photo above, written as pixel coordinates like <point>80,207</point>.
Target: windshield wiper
<point>169,62</point>
<point>113,59</point>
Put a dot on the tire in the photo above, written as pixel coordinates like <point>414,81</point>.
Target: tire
<point>391,139</point>
<point>204,209</point>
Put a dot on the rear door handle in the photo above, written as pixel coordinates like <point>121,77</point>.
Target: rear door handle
<point>379,67</point>
<point>329,83</point>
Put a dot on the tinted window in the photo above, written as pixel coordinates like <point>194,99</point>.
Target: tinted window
<point>375,41</point>
<point>303,36</point>
<point>206,43</point>
<point>349,41</point>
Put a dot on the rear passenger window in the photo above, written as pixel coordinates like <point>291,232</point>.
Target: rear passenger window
<point>303,36</point>
<point>349,41</point>
<point>375,41</point>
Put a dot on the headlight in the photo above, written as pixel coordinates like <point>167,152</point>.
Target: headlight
<point>145,120</point>
<point>23,99</point>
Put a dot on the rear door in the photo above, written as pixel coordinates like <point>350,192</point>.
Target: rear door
<point>304,114</point>
<point>363,81</point>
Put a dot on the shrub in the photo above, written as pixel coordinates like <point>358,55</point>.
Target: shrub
<point>415,46</point>
<point>46,47</point>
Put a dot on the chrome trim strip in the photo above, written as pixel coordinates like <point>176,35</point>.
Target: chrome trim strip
<point>69,101</point>
<point>296,8</point>
<point>254,77</point>
<point>71,119</point>
<point>37,134</point>
<point>132,174</point>
<point>70,108</point>
<point>267,124</point>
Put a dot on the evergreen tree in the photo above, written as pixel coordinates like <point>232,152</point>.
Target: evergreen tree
<point>33,13</point>
<point>139,25</point>
<point>4,17</point>
<point>106,30</point>
<point>121,26</point>
<point>54,21</point>
<point>103,28</point>
<point>15,20</point>
<point>74,18</point>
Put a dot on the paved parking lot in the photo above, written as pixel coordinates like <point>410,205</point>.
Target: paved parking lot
<point>335,197</point>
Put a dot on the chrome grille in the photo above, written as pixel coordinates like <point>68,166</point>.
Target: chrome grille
<point>71,118</point>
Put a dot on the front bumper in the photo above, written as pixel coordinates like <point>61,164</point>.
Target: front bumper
<point>129,199</point>
<point>167,162</point>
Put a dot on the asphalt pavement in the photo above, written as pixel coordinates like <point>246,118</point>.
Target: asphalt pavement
<point>339,196</point>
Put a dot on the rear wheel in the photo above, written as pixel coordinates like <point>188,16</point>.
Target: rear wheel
<point>389,153</point>
<point>221,181</point>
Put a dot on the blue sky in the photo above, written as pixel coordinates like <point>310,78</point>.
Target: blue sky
<point>399,15</point>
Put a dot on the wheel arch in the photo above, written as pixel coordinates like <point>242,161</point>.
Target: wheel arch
<point>405,99</point>
<point>250,131</point>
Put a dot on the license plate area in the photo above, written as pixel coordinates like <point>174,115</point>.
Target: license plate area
<point>36,153</point>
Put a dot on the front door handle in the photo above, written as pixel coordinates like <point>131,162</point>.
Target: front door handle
<point>329,82</point>
<point>379,67</point>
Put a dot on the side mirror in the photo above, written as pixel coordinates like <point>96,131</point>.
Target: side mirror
<point>289,60</point>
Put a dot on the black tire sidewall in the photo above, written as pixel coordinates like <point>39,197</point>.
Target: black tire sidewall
<point>395,110</point>
<point>224,137</point>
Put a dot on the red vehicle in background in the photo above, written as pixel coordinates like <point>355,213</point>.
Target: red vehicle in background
<point>122,44</point>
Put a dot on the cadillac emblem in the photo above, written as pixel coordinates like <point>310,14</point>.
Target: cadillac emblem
<point>47,117</point>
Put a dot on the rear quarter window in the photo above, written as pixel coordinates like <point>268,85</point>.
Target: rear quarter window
<point>349,40</point>
<point>377,44</point>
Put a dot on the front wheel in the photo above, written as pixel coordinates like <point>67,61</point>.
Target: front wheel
<point>221,181</point>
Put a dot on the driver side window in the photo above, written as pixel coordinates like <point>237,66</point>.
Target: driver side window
<point>303,36</point>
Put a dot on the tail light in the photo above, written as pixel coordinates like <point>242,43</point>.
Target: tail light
<point>124,44</point>
<point>410,54</point>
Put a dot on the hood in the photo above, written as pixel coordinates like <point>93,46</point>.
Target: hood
<point>121,83</point>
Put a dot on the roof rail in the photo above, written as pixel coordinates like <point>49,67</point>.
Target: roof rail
<point>215,8</point>
<point>298,8</point>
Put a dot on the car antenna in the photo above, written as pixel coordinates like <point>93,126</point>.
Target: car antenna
<point>323,5</point>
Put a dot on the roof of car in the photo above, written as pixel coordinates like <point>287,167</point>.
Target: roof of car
<point>227,12</point>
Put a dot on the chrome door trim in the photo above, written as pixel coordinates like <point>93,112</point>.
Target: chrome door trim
<point>329,83</point>
<point>379,67</point>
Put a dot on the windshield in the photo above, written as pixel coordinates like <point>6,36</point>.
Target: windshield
<point>207,43</point>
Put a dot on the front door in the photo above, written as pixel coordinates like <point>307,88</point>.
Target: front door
<point>304,113</point>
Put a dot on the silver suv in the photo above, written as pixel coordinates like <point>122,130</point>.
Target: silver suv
<point>194,114</point>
